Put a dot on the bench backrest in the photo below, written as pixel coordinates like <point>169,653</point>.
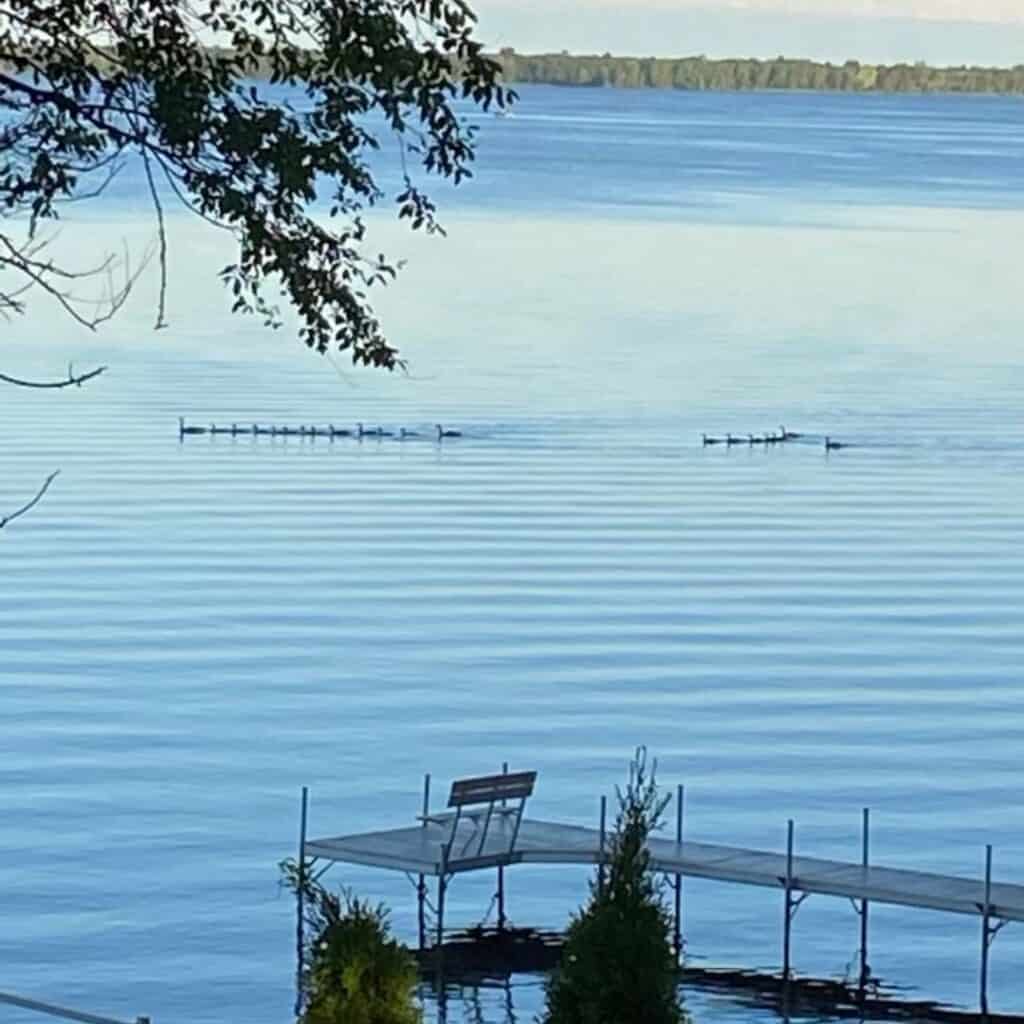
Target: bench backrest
<point>488,789</point>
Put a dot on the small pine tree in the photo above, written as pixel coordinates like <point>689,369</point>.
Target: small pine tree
<point>356,973</point>
<point>618,964</point>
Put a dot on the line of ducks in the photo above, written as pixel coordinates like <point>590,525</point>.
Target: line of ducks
<point>780,438</point>
<point>330,431</point>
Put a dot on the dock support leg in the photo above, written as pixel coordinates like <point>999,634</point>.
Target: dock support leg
<point>442,888</point>
<point>421,887</point>
<point>501,899</point>
<point>788,922</point>
<point>677,933</point>
<point>501,874</point>
<point>421,896</point>
<point>300,901</point>
<point>600,848</point>
<point>865,970</point>
<point>986,932</point>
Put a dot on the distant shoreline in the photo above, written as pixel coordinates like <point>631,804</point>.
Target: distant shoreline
<point>748,74</point>
<point>699,73</point>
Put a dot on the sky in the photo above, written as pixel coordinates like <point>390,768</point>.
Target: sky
<point>937,31</point>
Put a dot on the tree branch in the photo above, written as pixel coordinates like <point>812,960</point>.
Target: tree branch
<point>39,273</point>
<point>77,381</point>
<point>35,501</point>
<point>161,240</point>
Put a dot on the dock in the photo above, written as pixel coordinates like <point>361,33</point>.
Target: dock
<point>495,834</point>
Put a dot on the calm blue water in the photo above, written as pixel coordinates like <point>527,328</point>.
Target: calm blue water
<point>190,633</point>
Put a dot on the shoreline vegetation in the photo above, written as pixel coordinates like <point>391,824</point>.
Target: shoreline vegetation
<point>734,75</point>
<point>703,74</point>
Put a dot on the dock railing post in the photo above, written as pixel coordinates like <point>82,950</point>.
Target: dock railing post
<point>421,888</point>
<point>300,899</point>
<point>677,934</point>
<point>864,969</point>
<point>501,873</point>
<point>986,932</point>
<point>788,923</point>
<point>600,848</point>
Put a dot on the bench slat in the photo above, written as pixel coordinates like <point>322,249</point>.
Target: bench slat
<point>485,789</point>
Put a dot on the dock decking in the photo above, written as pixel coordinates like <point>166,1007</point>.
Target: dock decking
<point>418,849</point>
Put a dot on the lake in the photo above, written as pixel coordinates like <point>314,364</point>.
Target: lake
<point>191,632</point>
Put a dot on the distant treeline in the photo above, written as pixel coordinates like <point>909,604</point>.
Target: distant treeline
<point>724,75</point>
<point>781,73</point>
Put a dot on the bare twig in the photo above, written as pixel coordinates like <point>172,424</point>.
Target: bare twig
<point>71,379</point>
<point>43,274</point>
<point>35,501</point>
<point>162,240</point>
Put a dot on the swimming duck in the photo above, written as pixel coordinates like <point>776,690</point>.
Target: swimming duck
<point>441,432</point>
<point>372,432</point>
<point>833,446</point>
<point>710,440</point>
<point>730,440</point>
<point>756,440</point>
<point>403,434</point>
<point>183,430</point>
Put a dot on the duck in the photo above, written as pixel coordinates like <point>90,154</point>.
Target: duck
<point>833,446</point>
<point>361,431</point>
<point>441,432</point>
<point>403,434</point>
<point>334,431</point>
<point>710,440</point>
<point>730,440</point>
<point>789,435</point>
<point>756,440</point>
<point>183,430</point>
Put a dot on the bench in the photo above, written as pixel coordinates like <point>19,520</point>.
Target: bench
<point>487,795</point>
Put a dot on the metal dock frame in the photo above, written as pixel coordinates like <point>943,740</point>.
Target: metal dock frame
<point>429,848</point>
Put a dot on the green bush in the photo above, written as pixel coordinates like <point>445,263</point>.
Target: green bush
<point>355,973</point>
<point>618,965</point>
